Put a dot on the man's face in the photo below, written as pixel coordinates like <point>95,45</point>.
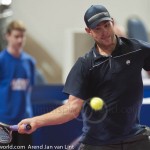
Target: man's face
<point>103,34</point>
<point>16,39</point>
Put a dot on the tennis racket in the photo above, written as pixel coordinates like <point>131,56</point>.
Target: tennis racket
<point>6,132</point>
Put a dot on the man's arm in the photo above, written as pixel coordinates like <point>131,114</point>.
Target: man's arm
<point>60,115</point>
<point>148,73</point>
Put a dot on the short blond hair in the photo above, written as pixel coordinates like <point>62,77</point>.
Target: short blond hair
<point>15,25</point>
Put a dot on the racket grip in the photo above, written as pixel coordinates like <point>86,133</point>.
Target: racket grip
<point>15,127</point>
<point>27,127</point>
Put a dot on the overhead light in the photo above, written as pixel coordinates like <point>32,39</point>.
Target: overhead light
<point>6,2</point>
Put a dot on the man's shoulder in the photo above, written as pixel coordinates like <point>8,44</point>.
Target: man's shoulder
<point>84,61</point>
<point>131,42</point>
<point>87,56</point>
<point>2,55</point>
<point>27,56</point>
<point>87,59</point>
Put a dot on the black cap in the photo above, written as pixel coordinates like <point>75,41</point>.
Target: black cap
<point>96,14</point>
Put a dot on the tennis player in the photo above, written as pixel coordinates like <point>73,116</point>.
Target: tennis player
<point>111,70</point>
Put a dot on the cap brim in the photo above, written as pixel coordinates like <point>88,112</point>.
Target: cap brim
<point>94,24</point>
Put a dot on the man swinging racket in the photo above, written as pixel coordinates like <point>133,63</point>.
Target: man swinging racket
<point>111,70</point>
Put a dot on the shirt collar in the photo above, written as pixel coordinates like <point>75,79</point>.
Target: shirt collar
<point>116,52</point>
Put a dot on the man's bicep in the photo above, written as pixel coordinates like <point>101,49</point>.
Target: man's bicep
<point>74,98</point>
<point>77,82</point>
<point>75,103</point>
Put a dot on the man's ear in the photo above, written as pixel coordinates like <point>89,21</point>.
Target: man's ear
<point>112,21</point>
<point>88,31</point>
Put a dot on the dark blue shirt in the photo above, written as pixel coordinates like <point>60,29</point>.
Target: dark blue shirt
<point>16,79</point>
<point>117,80</point>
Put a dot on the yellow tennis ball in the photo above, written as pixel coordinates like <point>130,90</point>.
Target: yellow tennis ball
<point>96,103</point>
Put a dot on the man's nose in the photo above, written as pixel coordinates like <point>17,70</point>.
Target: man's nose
<point>20,39</point>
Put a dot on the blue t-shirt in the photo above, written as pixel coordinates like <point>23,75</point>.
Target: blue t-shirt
<point>117,80</point>
<point>16,79</point>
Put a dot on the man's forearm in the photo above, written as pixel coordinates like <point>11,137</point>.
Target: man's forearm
<point>62,114</point>
<point>59,115</point>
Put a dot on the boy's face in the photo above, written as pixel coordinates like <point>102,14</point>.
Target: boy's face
<point>16,39</point>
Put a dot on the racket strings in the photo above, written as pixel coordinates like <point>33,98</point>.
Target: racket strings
<point>5,135</point>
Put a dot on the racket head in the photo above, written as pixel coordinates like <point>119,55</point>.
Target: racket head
<point>5,133</point>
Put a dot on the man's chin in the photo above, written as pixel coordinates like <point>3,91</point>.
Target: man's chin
<point>107,44</point>
<point>19,47</point>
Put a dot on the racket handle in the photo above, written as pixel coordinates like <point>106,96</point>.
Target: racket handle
<point>15,127</point>
<point>27,127</point>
